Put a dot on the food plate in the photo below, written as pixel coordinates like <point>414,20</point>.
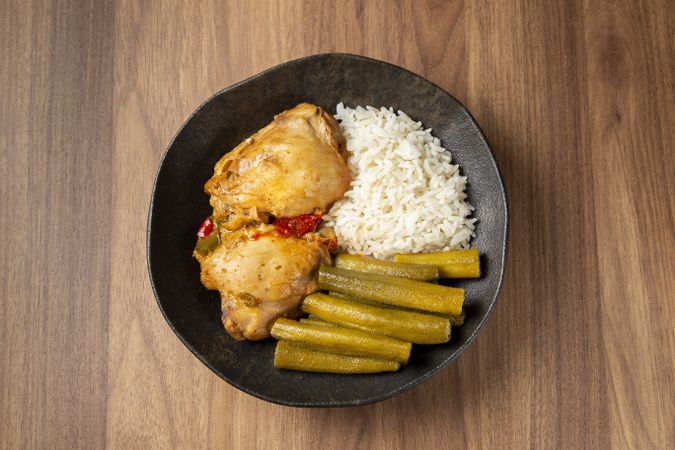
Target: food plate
<point>179,205</point>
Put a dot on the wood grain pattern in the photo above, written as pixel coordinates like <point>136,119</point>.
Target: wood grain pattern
<point>577,99</point>
<point>55,152</point>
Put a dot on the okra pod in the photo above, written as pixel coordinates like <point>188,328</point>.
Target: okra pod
<point>344,341</point>
<point>450,264</point>
<point>455,320</point>
<point>290,356</point>
<point>393,290</point>
<point>407,326</point>
<point>371,265</point>
<point>315,321</point>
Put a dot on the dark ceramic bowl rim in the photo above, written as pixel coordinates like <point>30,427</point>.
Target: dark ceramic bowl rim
<point>332,404</point>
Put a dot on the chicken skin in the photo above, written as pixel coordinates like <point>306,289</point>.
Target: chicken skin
<point>295,165</point>
<point>262,279</point>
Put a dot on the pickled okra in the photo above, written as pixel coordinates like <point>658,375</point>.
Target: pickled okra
<point>371,265</point>
<point>315,321</point>
<point>393,290</point>
<point>291,356</point>
<point>407,326</point>
<point>340,340</point>
<point>455,320</point>
<point>450,264</point>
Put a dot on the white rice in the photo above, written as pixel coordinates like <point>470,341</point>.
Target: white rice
<point>406,195</point>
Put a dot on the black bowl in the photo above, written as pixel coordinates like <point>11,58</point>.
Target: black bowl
<point>179,205</point>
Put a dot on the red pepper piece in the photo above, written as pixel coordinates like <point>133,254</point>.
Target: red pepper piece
<point>297,226</point>
<point>205,229</point>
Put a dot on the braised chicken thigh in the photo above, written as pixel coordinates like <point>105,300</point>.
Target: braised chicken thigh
<point>263,279</point>
<point>295,165</point>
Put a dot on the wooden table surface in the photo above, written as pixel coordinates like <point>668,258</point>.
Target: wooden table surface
<point>578,101</point>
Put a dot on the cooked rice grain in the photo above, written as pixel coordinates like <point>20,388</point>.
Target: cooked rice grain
<point>406,195</point>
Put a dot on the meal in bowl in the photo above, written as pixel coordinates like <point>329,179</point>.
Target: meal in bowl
<point>350,220</point>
